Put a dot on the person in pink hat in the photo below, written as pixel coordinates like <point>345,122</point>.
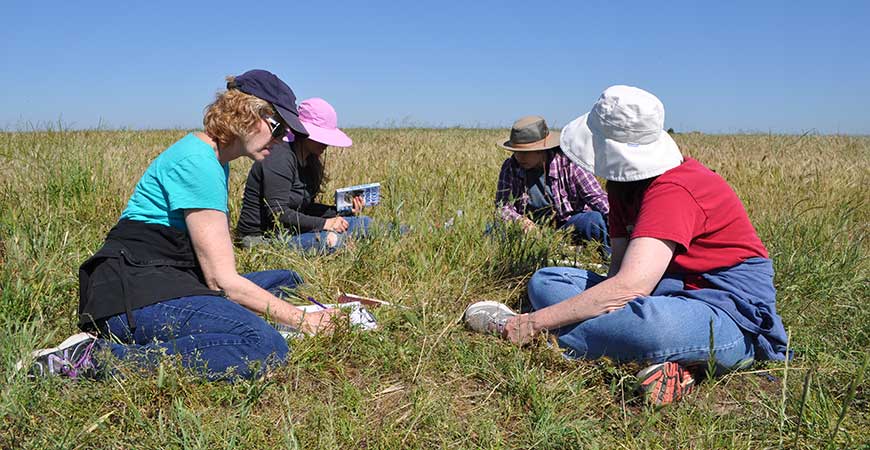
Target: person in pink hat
<point>281,190</point>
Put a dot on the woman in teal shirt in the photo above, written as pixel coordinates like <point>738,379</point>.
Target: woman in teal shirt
<point>165,279</point>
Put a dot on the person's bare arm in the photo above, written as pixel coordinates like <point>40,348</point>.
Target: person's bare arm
<point>617,252</point>
<point>641,269</point>
<point>210,235</point>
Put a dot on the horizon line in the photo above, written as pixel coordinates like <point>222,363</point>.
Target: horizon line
<point>49,127</point>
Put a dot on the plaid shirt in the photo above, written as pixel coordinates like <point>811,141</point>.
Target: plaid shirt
<point>574,189</point>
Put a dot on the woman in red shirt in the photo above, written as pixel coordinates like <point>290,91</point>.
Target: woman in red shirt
<point>687,264</point>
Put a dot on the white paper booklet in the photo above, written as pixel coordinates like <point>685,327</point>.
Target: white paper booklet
<point>371,194</point>
<point>359,316</point>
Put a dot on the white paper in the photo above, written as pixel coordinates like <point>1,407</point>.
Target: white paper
<point>359,316</point>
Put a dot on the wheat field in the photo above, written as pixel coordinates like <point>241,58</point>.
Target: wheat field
<point>422,380</point>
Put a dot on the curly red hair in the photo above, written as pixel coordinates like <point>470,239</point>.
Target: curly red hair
<point>234,114</point>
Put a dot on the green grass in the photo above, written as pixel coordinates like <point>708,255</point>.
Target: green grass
<point>422,381</point>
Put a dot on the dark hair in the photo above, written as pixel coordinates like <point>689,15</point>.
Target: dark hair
<point>314,166</point>
<point>313,169</point>
<point>628,193</point>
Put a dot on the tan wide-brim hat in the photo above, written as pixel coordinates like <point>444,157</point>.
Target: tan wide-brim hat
<point>623,137</point>
<point>531,134</point>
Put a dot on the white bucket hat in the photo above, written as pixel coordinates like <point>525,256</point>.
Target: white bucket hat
<point>623,137</point>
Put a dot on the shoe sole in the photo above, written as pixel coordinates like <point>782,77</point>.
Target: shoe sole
<point>645,373</point>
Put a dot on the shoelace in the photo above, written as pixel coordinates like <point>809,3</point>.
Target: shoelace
<point>71,369</point>
<point>497,326</point>
<point>668,384</point>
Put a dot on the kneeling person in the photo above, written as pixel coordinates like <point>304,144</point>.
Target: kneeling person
<point>539,185</point>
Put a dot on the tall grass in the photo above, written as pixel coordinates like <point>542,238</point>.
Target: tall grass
<point>421,380</point>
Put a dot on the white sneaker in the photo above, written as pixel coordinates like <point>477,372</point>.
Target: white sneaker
<point>487,317</point>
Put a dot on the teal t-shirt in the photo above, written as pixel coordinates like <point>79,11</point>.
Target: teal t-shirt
<point>186,175</point>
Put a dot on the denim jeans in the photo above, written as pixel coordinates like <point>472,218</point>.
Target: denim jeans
<point>650,329</point>
<point>214,336</point>
<point>590,226</point>
<point>358,227</point>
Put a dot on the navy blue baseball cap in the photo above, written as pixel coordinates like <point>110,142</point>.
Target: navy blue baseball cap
<point>267,86</point>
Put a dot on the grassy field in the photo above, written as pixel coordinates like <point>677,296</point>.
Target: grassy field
<point>422,381</point>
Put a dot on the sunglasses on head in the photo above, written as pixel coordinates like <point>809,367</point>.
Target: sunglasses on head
<point>276,127</point>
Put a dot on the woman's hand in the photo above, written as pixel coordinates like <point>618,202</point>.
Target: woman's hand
<point>358,204</point>
<point>336,225</point>
<point>210,234</point>
<point>520,329</point>
<point>644,264</point>
<point>320,322</point>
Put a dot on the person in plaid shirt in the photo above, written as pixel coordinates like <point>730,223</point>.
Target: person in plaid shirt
<point>540,186</point>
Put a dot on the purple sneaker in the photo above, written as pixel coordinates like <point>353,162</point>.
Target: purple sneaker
<point>72,358</point>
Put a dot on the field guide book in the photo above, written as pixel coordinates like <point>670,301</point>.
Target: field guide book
<point>371,194</point>
<point>357,309</point>
<point>360,317</point>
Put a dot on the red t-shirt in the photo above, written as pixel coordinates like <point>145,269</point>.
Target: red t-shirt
<point>694,207</point>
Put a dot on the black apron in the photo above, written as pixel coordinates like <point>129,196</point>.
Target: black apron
<point>139,264</point>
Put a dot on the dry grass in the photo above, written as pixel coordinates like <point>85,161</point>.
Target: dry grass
<point>422,381</point>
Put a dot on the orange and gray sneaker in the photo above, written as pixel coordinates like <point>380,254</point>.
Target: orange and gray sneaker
<point>665,383</point>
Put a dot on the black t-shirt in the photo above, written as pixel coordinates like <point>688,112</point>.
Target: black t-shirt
<point>279,189</point>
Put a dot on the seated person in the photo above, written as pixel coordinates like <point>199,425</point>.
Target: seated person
<point>280,192</point>
<point>539,185</point>
<point>690,282</point>
<point>165,279</point>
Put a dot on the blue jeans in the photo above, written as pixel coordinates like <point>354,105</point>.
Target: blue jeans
<point>214,336</point>
<point>650,329</point>
<point>590,226</point>
<point>358,226</point>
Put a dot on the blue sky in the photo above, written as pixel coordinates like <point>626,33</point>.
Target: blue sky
<point>721,67</point>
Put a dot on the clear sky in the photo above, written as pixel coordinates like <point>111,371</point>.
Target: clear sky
<point>722,67</point>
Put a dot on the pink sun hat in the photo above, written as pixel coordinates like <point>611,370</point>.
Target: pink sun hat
<point>320,120</point>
